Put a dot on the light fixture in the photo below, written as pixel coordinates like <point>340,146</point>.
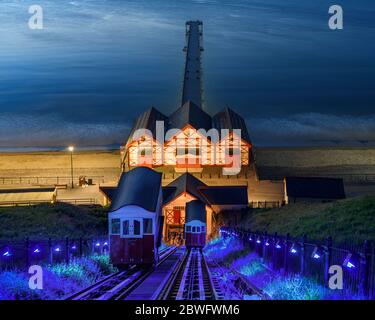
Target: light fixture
<point>71,148</point>
<point>97,244</point>
<point>278,245</point>
<point>250,238</point>
<point>267,243</point>
<point>37,250</point>
<point>258,240</point>
<point>6,254</point>
<point>57,249</point>
<point>105,243</point>
<point>74,247</point>
<point>352,260</point>
<point>317,253</point>
<point>293,249</point>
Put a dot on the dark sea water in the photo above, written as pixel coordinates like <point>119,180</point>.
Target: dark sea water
<point>97,64</point>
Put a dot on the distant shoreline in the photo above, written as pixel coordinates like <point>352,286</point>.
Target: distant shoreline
<point>98,149</point>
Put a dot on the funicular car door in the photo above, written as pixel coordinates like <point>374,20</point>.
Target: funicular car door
<point>132,232</point>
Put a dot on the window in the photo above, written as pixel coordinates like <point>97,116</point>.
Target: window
<point>203,228</point>
<point>147,226</point>
<point>193,229</point>
<point>115,226</point>
<point>125,227</point>
<point>188,228</point>
<point>198,229</point>
<point>137,227</point>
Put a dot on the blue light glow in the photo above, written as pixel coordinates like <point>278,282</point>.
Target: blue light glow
<point>350,265</point>
<point>258,241</point>
<point>57,249</point>
<point>6,254</point>
<point>105,244</point>
<point>316,256</point>
<point>267,243</point>
<point>293,250</point>
<point>278,246</point>
<point>37,250</point>
<point>74,247</point>
<point>97,244</point>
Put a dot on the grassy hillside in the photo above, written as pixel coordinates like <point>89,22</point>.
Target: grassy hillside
<point>350,221</point>
<point>56,221</point>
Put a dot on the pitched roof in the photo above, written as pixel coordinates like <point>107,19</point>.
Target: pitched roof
<point>195,210</point>
<point>185,183</point>
<point>190,113</point>
<point>319,188</point>
<point>225,195</point>
<point>228,119</point>
<point>109,192</point>
<point>147,120</point>
<point>140,187</point>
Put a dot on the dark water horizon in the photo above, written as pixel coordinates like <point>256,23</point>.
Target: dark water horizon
<point>98,64</point>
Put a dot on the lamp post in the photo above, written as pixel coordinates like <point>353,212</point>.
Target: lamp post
<point>71,149</point>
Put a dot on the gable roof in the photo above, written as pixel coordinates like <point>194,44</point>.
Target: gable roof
<point>185,183</point>
<point>190,113</point>
<point>147,120</point>
<point>228,119</point>
<point>140,187</point>
<point>225,195</point>
<point>195,210</point>
<point>319,188</point>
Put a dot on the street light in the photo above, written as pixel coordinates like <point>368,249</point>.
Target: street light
<point>71,149</point>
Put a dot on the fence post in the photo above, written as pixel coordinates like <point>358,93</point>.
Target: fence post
<point>274,252</point>
<point>328,259</point>
<point>303,254</point>
<point>67,253</point>
<point>264,248</point>
<point>365,269</point>
<point>50,250</point>
<point>80,247</point>
<point>27,247</point>
<point>286,253</point>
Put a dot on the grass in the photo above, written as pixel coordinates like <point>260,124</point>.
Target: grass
<point>56,221</point>
<point>59,280</point>
<point>351,220</point>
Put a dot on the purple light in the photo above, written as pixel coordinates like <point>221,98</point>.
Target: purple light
<point>250,238</point>
<point>258,241</point>
<point>6,254</point>
<point>97,244</point>
<point>316,256</point>
<point>267,244</point>
<point>278,246</point>
<point>57,249</point>
<point>37,250</point>
<point>74,247</point>
<point>105,244</point>
<point>293,250</point>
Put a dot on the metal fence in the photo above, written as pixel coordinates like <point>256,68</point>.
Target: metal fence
<point>313,259</point>
<point>63,180</point>
<point>21,254</point>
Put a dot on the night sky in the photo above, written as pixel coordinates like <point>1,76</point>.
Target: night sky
<point>98,64</point>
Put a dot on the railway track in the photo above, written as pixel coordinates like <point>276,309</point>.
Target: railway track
<point>191,280</point>
<point>118,285</point>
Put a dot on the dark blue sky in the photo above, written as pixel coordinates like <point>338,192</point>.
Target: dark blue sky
<point>97,64</point>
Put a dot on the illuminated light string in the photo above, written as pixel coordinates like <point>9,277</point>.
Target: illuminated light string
<point>352,260</point>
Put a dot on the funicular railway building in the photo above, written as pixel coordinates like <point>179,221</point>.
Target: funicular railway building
<point>192,149</point>
<point>200,156</point>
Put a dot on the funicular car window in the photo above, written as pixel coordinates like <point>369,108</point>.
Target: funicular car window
<point>125,227</point>
<point>188,228</point>
<point>147,226</point>
<point>137,227</point>
<point>198,229</point>
<point>115,226</point>
<point>193,229</point>
<point>202,227</point>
